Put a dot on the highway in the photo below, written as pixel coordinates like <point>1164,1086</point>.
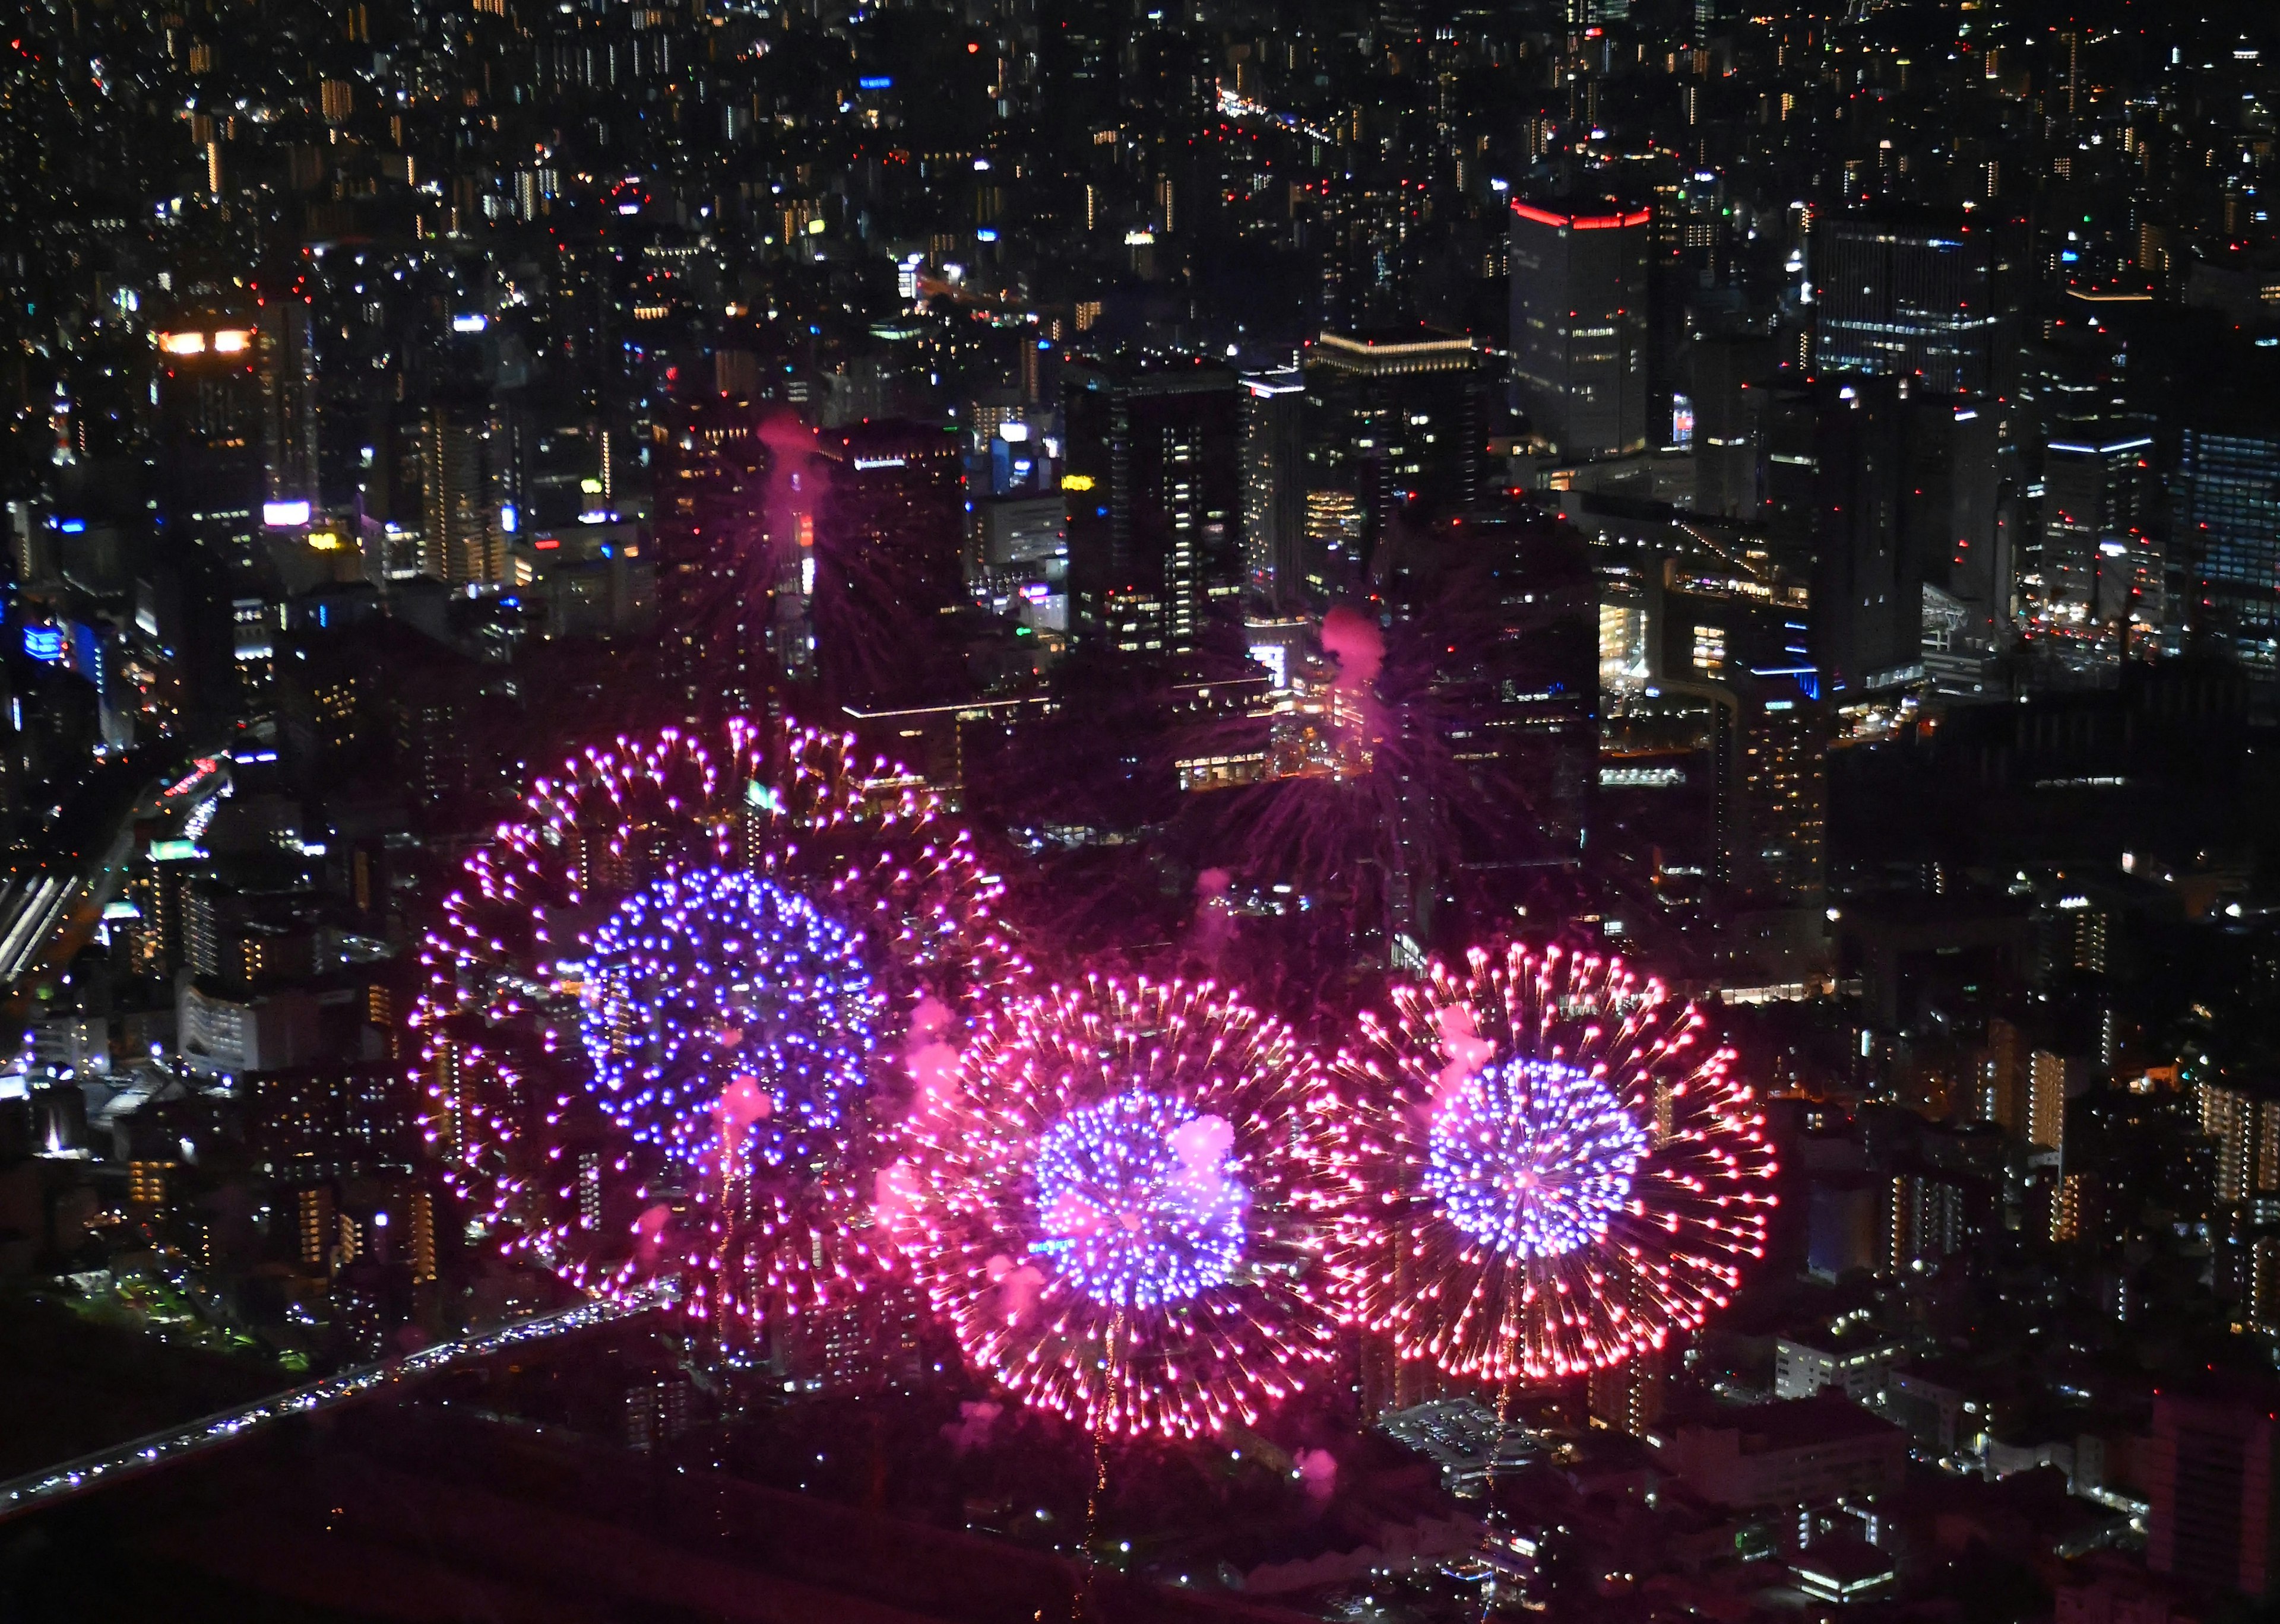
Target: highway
<point>88,1473</point>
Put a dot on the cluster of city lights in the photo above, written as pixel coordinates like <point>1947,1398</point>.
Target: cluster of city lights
<point>1539,1168</point>
<point>1105,1208</point>
<point>1532,1159</point>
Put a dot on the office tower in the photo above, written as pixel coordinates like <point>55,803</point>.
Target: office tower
<point>888,554</point>
<point>210,431</point>
<point>288,371</point>
<point>1830,463</point>
<point>1725,446</point>
<point>1518,702</point>
<point>1153,481</point>
<point>1579,325</point>
<point>1019,557</point>
<point>1020,463</point>
<point>460,541</point>
<point>717,578</point>
<point>1742,645</point>
<point>2209,1472</point>
<point>1395,417</point>
<point>1951,503</point>
<point>2094,492</point>
<point>1913,293</point>
<point>2227,496</point>
<point>1275,485</point>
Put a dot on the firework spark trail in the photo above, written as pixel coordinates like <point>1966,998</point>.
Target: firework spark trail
<point>1592,1184</point>
<point>660,1032</point>
<point>1108,1215</point>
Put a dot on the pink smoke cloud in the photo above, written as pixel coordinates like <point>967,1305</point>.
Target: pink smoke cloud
<point>931,1062</point>
<point>1018,1285</point>
<point>1467,1051</point>
<point>743,1102</point>
<point>649,1233</point>
<point>976,1417</point>
<point>1353,640</point>
<point>1202,1144</point>
<point>894,1194</point>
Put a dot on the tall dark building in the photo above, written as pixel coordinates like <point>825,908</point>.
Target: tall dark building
<point>210,430</point>
<point>2095,490</point>
<point>1153,481</point>
<point>1833,458</point>
<point>1741,647</point>
<point>1953,493</point>
<point>288,369</point>
<point>1274,486</point>
<point>1579,324</point>
<point>888,554</point>
<point>1913,293</point>
<point>2211,1472</point>
<point>1515,696</point>
<point>1395,417</point>
<point>1724,367</point>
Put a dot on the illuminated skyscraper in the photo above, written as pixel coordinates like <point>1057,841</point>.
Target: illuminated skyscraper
<point>1154,482</point>
<point>2094,491</point>
<point>460,542</point>
<point>2227,492</point>
<point>1275,485</point>
<point>210,430</point>
<point>1395,417</point>
<point>288,371</point>
<point>1579,324</point>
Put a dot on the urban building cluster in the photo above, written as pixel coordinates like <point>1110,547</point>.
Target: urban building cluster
<point>1788,495</point>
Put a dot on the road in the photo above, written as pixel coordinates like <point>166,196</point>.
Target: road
<point>103,1467</point>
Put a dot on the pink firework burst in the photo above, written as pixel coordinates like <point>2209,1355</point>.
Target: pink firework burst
<point>1538,1167</point>
<point>683,955</point>
<point>1104,1207</point>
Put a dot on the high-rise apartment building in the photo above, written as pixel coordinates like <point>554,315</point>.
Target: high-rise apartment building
<point>2047,1077</point>
<point>1579,324</point>
<point>460,541</point>
<point>1154,482</point>
<point>717,572</point>
<point>2244,1126</point>
<point>1911,293</point>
